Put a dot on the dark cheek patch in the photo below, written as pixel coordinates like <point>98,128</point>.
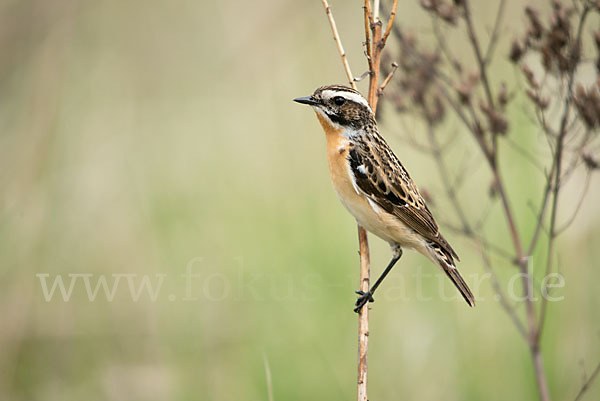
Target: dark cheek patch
<point>338,119</point>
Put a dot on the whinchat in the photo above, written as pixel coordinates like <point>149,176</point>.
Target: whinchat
<point>375,187</point>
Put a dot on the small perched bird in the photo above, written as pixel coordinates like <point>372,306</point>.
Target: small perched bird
<point>375,187</point>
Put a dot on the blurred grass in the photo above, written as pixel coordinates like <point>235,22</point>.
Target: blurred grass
<point>136,137</point>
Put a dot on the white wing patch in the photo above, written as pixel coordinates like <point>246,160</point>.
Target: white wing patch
<point>374,206</point>
<point>353,178</point>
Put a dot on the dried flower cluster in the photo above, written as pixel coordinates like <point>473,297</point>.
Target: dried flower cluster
<point>416,82</point>
<point>444,10</point>
<point>558,42</point>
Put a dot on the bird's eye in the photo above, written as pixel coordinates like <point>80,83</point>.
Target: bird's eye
<point>338,100</point>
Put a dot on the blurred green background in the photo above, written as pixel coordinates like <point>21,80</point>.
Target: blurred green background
<point>158,139</point>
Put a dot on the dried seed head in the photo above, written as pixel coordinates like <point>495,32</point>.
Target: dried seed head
<point>429,5</point>
<point>448,13</point>
<point>473,77</point>
<point>590,161</point>
<point>435,111</point>
<point>516,51</point>
<point>541,102</point>
<point>530,77</point>
<point>587,103</point>
<point>463,90</point>
<point>535,26</point>
<point>502,96</point>
<point>497,123</point>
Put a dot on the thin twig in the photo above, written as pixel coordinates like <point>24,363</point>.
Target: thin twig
<point>387,79</point>
<point>494,38</point>
<point>368,21</point>
<point>569,221</point>
<point>443,171</point>
<point>501,297</point>
<point>338,41</point>
<point>375,45</point>
<point>478,55</point>
<point>441,42</point>
<point>588,383</point>
<point>388,29</point>
<point>558,161</point>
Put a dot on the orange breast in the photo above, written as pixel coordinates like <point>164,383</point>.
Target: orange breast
<point>384,225</point>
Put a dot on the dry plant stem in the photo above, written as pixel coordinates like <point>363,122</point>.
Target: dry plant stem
<point>377,44</point>
<point>495,31</point>
<point>363,315</point>
<point>387,79</point>
<point>557,162</point>
<point>338,42</point>
<point>588,383</point>
<point>476,48</point>
<point>368,22</point>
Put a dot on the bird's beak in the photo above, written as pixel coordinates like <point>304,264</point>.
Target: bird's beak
<point>306,100</point>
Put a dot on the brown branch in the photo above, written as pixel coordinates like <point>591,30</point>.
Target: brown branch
<point>374,45</point>
<point>388,30</point>
<point>338,42</point>
<point>368,21</point>
<point>363,243</point>
<point>387,79</point>
<point>375,64</point>
<point>363,315</point>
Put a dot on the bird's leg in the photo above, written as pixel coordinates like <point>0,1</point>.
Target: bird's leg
<point>368,296</point>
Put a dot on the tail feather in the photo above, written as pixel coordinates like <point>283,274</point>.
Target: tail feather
<point>454,275</point>
<point>444,258</point>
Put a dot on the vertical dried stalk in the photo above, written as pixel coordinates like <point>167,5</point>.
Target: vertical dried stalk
<point>363,315</point>
<point>374,49</point>
<point>338,41</point>
<point>365,264</point>
<point>374,43</point>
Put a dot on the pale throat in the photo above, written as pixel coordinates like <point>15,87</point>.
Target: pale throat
<point>332,128</point>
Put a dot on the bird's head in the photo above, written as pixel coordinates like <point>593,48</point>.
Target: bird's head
<point>340,107</point>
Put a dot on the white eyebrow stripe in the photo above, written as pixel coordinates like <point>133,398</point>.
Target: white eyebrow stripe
<point>355,97</point>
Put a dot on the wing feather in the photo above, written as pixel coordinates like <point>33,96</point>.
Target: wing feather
<point>383,179</point>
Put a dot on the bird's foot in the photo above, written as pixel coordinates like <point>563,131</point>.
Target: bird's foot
<point>363,299</point>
